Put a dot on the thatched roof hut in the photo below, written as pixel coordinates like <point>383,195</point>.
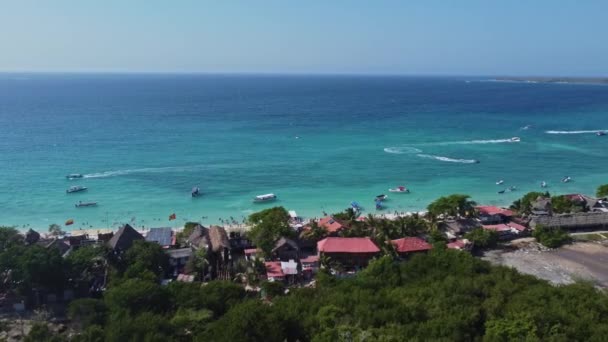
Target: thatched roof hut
<point>199,238</point>
<point>124,238</point>
<point>593,220</point>
<point>218,238</point>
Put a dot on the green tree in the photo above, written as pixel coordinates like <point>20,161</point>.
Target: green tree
<point>135,296</point>
<point>314,232</point>
<point>190,322</point>
<point>452,205</point>
<point>9,237</point>
<point>272,289</point>
<point>268,226</point>
<point>551,237</point>
<point>563,204</point>
<point>146,256</point>
<point>602,191</point>
<point>40,332</point>
<point>199,263</point>
<point>82,261</point>
<point>524,205</point>
<point>86,312</point>
<point>482,238</point>
<point>185,233</point>
<point>41,268</point>
<point>55,230</point>
<point>250,321</point>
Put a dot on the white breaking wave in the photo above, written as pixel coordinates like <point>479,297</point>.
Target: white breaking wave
<point>447,159</point>
<point>475,142</point>
<point>576,132</point>
<point>401,150</point>
<point>143,170</point>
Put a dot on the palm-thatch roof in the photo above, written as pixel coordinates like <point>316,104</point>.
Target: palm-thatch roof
<point>124,238</point>
<point>285,242</point>
<point>199,238</point>
<point>572,221</point>
<point>218,238</point>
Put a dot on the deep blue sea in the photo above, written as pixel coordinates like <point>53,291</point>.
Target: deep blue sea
<point>318,142</point>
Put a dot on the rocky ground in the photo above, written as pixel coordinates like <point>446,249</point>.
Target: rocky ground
<point>577,261</point>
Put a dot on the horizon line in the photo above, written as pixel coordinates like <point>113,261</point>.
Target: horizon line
<point>283,73</point>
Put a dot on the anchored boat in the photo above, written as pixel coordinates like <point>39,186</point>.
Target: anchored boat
<point>400,188</point>
<point>76,188</point>
<point>264,198</point>
<point>85,204</point>
<point>74,176</point>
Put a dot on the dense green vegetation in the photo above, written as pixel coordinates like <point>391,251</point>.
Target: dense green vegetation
<point>445,295</point>
<point>524,205</point>
<point>562,204</point>
<point>482,238</point>
<point>268,226</point>
<point>602,190</point>
<point>453,205</point>
<point>551,237</point>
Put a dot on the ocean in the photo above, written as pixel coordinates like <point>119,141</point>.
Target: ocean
<point>318,142</point>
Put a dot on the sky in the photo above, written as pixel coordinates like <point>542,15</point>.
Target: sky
<point>427,37</point>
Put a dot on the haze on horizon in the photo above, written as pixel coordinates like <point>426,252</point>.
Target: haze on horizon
<point>473,37</point>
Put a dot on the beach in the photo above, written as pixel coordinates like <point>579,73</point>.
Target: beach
<point>142,142</point>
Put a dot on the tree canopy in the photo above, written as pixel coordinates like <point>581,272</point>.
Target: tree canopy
<point>268,226</point>
<point>602,191</point>
<point>452,205</point>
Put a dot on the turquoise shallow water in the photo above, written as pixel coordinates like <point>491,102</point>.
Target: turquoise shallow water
<point>143,141</point>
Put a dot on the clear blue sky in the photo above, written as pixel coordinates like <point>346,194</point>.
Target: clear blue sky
<point>484,37</point>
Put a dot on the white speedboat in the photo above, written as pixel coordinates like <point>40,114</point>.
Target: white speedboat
<point>74,176</point>
<point>76,188</point>
<point>566,179</point>
<point>600,133</point>
<point>265,198</point>
<point>85,204</point>
<point>500,182</point>
<point>399,189</point>
<point>543,184</point>
<point>515,139</point>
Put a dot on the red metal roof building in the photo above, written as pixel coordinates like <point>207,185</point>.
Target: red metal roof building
<point>410,245</point>
<point>355,252</point>
<point>331,224</point>
<point>492,210</point>
<point>461,244</point>
<point>274,270</point>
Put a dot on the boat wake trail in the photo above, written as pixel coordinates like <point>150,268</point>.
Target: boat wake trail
<point>447,159</point>
<point>577,132</point>
<point>401,150</point>
<point>143,170</point>
<point>475,142</point>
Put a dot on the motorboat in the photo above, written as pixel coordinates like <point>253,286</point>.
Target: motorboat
<point>600,133</point>
<point>515,139</point>
<point>566,179</point>
<point>511,188</point>
<point>501,192</point>
<point>500,182</point>
<point>355,206</point>
<point>543,184</point>
<point>379,205</point>
<point>76,188</point>
<point>196,192</point>
<point>74,176</point>
<point>82,204</point>
<point>400,188</point>
<point>265,198</point>
<point>382,197</point>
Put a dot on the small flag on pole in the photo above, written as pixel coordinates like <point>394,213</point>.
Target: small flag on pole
<point>172,217</point>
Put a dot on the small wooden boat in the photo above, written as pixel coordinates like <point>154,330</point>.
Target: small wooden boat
<point>400,188</point>
<point>382,197</point>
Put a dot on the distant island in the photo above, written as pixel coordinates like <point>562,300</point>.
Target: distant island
<point>569,80</point>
